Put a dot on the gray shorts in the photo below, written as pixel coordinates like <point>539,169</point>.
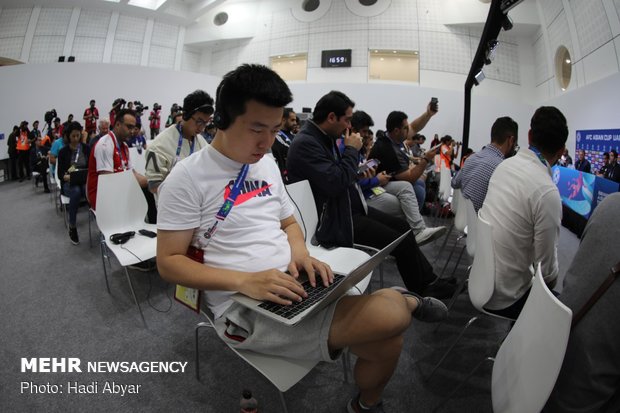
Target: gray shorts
<point>245,329</point>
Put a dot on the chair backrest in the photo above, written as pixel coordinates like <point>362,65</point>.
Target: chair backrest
<point>120,202</point>
<point>305,208</point>
<point>445,180</point>
<point>472,220</point>
<point>529,361</point>
<point>482,275</point>
<point>458,207</point>
<point>138,160</point>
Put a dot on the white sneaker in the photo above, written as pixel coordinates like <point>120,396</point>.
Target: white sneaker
<point>429,234</point>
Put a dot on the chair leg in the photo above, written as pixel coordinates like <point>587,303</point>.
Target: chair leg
<point>459,289</point>
<point>443,245</point>
<point>197,355</point>
<point>458,261</point>
<point>102,247</point>
<point>64,216</point>
<point>469,323</point>
<point>449,258</point>
<point>283,401</point>
<point>491,359</point>
<point>346,365</point>
<point>134,295</point>
<point>90,236</point>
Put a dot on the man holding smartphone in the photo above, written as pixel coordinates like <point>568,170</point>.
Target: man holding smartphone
<point>396,198</point>
<point>389,150</point>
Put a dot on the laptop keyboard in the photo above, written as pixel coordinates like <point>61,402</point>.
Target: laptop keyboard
<point>314,295</point>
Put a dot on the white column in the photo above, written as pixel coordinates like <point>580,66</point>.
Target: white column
<point>32,26</point>
<point>75,16</point>
<point>146,46</point>
<point>178,56</point>
<point>109,41</point>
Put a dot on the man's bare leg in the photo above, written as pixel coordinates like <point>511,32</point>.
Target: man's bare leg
<point>372,326</point>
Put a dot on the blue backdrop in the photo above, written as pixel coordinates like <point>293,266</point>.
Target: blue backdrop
<point>595,142</point>
<point>581,191</point>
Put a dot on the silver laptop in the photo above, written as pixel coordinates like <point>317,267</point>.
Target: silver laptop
<point>318,297</point>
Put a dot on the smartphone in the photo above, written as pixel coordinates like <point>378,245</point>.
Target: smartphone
<point>434,102</point>
<point>371,163</point>
<point>147,233</point>
<point>434,148</point>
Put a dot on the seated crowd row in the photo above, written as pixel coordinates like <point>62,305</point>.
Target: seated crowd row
<point>365,193</point>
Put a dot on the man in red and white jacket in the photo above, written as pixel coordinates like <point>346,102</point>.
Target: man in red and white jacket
<point>111,154</point>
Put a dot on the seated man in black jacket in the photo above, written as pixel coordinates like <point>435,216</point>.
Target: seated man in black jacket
<point>345,218</point>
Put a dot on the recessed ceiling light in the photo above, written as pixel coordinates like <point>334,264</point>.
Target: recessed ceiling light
<point>279,57</point>
<point>393,51</point>
<point>291,62</point>
<point>382,59</point>
<point>415,53</point>
<point>376,51</point>
<point>567,60</point>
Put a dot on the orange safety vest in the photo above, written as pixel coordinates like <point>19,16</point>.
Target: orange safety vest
<point>23,144</point>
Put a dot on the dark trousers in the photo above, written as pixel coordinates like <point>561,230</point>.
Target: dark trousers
<point>41,168</point>
<point>23,163</point>
<point>154,133</point>
<point>378,229</point>
<point>151,213</point>
<point>75,194</point>
<point>13,166</point>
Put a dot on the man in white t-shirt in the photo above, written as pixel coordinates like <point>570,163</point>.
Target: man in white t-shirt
<point>180,140</point>
<point>523,206</point>
<point>259,239</point>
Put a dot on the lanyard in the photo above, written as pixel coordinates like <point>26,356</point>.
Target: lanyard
<point>286,140</point>
<point>120,152</point>
<point>539,155</point>
<point>228,204</point>
<point>77,153</point>
<point>191,144</point>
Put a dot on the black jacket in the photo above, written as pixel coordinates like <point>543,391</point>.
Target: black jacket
<point>314,156</point>
<point>64,160</point>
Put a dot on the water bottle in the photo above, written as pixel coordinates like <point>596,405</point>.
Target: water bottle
<point>248,403</point>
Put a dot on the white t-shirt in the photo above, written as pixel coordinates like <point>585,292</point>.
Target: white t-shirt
<point>104,154</point>
<point>250,239</point>
<point>524,207</point>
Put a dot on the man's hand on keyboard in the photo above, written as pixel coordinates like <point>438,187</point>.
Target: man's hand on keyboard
<point>274,286</point>
<point>311,266</point>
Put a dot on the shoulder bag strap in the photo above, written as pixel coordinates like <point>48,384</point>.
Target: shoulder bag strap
<point>615,271</point>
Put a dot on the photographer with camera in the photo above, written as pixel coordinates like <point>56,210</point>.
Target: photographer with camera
<point>179,140</point>
<point>174,111</point>
<point>139,108</point>
<point>117,105</point>
<point>91,115</point>
<point>155,120</point>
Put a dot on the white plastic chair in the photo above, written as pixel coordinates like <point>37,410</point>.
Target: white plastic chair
<point>138,160</point>
<point>121,207</point>
<point>64,200</point>
<point>282,372</point>
<point>445,187</point>
<point>529,360</point>
<point>340,259</point>
<point>481,281</point>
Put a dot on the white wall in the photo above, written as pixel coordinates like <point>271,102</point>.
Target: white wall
<point>594,106</point>
<point>446,51</point>
<point>31,90</point>
<point>42,34</point>
<point>590,31</point>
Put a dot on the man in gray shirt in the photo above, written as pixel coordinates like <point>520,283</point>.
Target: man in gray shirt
<point>590,377</point>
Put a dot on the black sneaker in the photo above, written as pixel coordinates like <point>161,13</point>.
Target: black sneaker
<point>440,288</point>
<point>75,240</point>
<point>429,309</point>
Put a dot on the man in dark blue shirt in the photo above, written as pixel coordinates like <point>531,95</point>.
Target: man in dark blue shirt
<point>582,163</point>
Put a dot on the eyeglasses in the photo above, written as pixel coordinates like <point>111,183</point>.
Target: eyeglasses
<point>200,123</point>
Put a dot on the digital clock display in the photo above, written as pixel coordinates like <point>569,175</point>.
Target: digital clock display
<point>336,58</point>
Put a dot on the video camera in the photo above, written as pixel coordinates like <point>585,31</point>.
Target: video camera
<point>139,107</point>
<point>50,115</point>
<point>156,106</point>
<point>119,102</point>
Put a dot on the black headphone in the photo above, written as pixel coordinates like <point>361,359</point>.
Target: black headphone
<point>121,238</point>
<point>220,118</point>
